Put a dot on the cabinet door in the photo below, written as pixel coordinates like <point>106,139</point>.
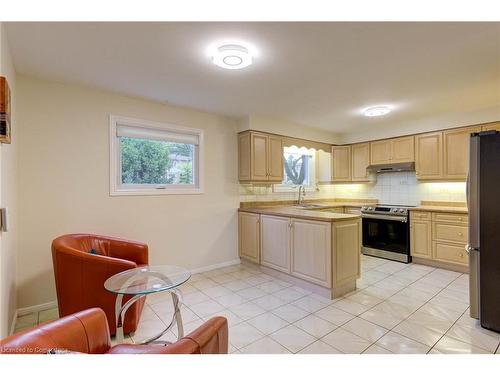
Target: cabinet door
<point>311,251</point>
<point>275,159</point>
<point>421,239</point>
<point>249,236</point>
<point>341,156</point>
<point>244,157</point>
<point>324,166</point>
<point>456,152</point>
<point>429,156</point>
<point>491,126</point>
<point>380,152</point>
<point>259,156</point>
<point>360,161</point>
<point>403,150</point>
<point>275,242</point>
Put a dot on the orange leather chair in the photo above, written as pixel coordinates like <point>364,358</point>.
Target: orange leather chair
<point>88,332</point>
<point>80,274</point>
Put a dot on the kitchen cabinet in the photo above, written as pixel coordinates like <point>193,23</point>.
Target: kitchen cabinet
<point>341,163</point>
<point>325,254</point>
<point>395,150</point>
<point>456,152</point>
<point>324,166</point>
<point>249,236</point>
<point>360,157</point>
<point>429,156</point>
<point>260,157</point>
<point>346,251</point>
<point>311,251</point>
<point>420,239</point>
<point>491,126</point>
<point>275,242</point>
<point>439,236</point>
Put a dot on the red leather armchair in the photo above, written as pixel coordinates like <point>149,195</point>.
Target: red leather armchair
<point>88,332</point>
<point>80,275</point>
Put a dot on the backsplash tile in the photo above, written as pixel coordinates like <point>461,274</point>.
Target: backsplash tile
<point>389,188</point>
<point>402,188</point>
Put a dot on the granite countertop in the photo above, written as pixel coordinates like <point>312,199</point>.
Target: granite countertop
<point>301,213</point>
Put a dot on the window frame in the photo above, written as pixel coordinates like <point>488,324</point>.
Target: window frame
<point>117,188</point>
<point>283,188</point>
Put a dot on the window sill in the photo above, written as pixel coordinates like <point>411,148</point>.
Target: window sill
<point>123,192</point>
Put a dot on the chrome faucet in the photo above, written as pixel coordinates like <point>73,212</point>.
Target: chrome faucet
<point>302,194</point>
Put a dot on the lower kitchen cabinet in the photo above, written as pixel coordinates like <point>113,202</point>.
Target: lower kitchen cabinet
<point>346,254</point>
<point>439,237</point>
<point>275,242</point>
<point>323,253</point>
<point>421,239</point>
<point>249,236</point>
<point>311,251</point>
<point>450,253</point>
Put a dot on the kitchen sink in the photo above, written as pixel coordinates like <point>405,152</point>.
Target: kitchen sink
<point>309,206</point>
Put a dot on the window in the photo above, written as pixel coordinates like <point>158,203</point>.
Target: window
<point>299,168</point>
<point>152,159</point>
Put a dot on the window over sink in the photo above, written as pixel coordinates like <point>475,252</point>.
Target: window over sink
<point>299,169</point>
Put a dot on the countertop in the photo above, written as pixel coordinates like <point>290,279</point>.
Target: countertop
<point>447,209</point>
<point>301,213</point>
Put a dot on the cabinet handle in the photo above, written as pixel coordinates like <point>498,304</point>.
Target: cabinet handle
<point>460,234</point>
<point>461,255</point>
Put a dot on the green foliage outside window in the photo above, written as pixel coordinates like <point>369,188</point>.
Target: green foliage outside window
<point>146,161</point>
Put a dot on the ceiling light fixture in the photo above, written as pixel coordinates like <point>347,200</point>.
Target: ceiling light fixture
<point>380,110</point>
<point>232,56</point>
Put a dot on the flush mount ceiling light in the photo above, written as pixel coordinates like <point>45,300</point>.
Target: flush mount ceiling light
<point>232,56</point>
<point>380,110</point>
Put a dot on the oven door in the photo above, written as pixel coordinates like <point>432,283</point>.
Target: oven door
<point>386,237</point>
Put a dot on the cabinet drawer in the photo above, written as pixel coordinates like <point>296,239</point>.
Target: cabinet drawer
<point>450,253</point>
<point>420,215</point>
<point>450,232</point>
<point>451,218</point>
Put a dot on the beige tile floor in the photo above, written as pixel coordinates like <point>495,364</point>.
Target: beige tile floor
<point>397,308</point>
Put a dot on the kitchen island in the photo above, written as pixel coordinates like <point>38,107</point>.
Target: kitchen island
<point>310,247</point>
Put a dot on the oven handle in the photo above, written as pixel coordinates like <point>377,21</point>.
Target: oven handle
<point>384,217</point>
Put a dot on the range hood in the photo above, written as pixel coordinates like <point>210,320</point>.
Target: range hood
<point>397,167</point>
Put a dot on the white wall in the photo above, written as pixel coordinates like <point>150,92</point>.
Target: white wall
<point>64,183</point>
<point>8,198</point>
<point>290,129</point>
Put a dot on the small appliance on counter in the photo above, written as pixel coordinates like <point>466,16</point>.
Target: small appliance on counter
<point>386,232</point>
<point>483,198</point>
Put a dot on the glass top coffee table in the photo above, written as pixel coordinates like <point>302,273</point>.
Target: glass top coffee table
<point>140,282</point>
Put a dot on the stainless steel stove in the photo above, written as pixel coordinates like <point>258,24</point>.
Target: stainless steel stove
<point>386,232</point>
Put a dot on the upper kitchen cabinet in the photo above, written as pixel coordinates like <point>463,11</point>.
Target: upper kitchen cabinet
<point>360,155</point>
<point>341,163</point>
<point>260,157</point>
<point>395,150</point>
<point>491,126</point>
<point>456,152</point>
<point>429,156</point>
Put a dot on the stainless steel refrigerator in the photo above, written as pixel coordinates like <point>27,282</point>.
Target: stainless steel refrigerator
<point>483,195</point>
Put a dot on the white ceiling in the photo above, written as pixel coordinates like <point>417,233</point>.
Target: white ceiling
<point>316,74</point>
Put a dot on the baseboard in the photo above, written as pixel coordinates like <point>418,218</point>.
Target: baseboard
<point>36,308</point>
<point>215,266</point>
